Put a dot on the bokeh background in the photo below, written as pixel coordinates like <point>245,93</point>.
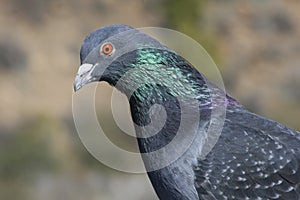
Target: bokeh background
<point>256,45</point>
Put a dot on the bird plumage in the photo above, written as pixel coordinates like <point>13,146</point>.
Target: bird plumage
<point>253,158</point>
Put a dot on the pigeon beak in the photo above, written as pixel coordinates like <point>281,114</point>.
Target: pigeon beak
<point>84,76</point>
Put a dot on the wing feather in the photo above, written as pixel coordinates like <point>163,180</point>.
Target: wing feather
<point>254,158</point>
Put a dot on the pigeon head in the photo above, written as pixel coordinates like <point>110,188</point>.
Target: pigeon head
<point>97,49</point>
<point>127,58</point>
<point>107,53</point>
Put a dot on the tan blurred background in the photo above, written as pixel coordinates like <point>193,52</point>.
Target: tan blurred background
<point>256,45</point>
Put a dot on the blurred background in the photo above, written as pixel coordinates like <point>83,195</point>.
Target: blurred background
<point>256,45</point>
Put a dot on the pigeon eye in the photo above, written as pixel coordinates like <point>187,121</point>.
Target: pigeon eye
<point>107,49</point>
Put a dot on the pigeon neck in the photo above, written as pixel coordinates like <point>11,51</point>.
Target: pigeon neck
<point>160,72</point>
<point>162,79</point>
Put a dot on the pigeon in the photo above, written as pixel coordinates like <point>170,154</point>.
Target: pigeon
<point>221,149</point>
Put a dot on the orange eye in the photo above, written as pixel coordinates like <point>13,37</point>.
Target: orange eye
<point>107,49</point>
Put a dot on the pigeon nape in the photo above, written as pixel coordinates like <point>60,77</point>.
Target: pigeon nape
<point>253,157</point>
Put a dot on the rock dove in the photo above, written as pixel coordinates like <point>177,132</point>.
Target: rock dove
<point>252,158</point>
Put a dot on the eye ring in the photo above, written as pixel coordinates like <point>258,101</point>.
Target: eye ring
<point>107,49</point>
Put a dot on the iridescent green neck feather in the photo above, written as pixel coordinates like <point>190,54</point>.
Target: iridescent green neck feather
<point>159,67</point>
